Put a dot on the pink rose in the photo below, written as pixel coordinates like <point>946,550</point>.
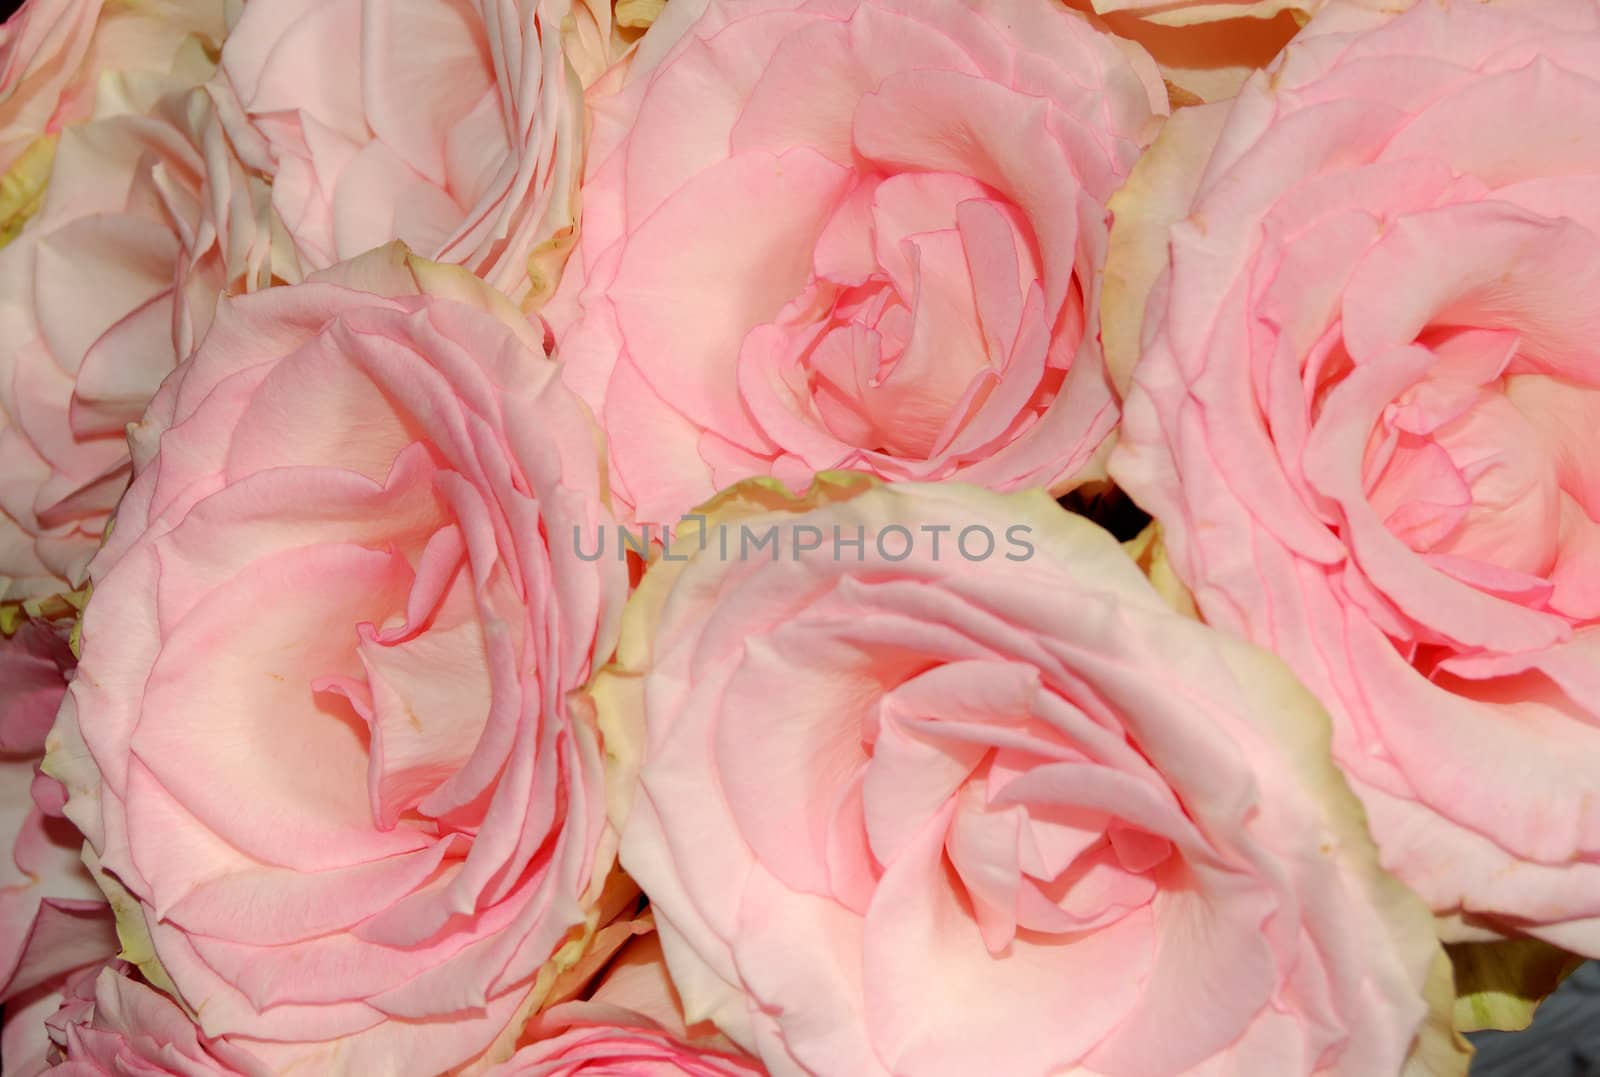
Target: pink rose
<point>1366,416</point>
<point>42,49</point>
<point>994,809</point>
<point>144,222</point>
<point>24,1040</point>
<point>866,234</point>
<point>52,53</point>
<point>455,127</point>
<point>34,660</point>
<point>110,1024</point>
<point>53,918</point>
<point>320,732</point>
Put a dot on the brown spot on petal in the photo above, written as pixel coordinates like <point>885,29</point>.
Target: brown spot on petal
<point>1178,97</point>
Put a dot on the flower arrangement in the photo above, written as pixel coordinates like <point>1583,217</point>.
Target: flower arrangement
<point>837,537</point>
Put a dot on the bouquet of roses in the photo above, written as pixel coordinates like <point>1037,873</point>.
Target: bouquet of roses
<point>847,537</point>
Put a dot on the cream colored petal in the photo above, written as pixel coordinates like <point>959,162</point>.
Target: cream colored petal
<point>1156,196</point>
<point>638,14</point>
<point>22,187</point>
<point>1150,553</point>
